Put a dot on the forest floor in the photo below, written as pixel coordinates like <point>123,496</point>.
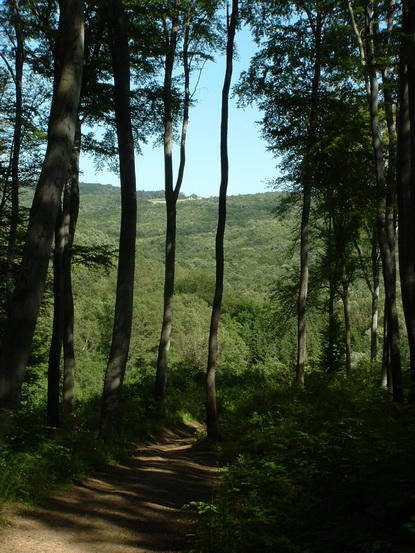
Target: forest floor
<point>133,507</point>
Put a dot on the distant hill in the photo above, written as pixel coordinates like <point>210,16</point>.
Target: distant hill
<point>256,242</point>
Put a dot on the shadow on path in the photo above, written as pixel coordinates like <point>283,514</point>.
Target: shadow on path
<point>134,507</point>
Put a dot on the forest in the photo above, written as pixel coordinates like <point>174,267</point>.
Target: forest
<point>283,323</point>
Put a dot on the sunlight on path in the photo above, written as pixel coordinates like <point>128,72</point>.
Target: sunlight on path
<point>130,508</point>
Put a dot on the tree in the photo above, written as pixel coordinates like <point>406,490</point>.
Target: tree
<point>344,197</point>
<point>171,193</point>
<point>370,269</point>
<point>114,377</point>
<point>70,210</point>
<point>289,78</point>
<point>63,308</point>
<point>63,316</point>
<point>53,402</point>
<point>370,46</point>
<point>23,101</point>
<point>406,179</point>
<point>211,409</point>
<point>18,334</point>
<point>17,75</point>
<point>195,36</point>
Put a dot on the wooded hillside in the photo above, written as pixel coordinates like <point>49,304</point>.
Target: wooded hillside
<point>284,322</point>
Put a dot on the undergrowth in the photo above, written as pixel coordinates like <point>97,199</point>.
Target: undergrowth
<point>324,469</point>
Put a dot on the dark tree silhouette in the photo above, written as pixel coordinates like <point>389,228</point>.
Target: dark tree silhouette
<point>211,410</point>
<point>114,377</point>
<point>23,313</point>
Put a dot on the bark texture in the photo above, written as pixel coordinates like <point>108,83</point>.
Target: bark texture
<point>114,377</point>
<point>18,335</point>
<point>53,402</point>
<point>70,211</point>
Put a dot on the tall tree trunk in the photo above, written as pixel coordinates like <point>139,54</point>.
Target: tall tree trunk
<point>303,286</point>
<point>406,180</point>
<point>386,375</point>
<point>70,210</point>
<point>383,225</point>
<point>375,300</point>
<point>53,402</point>
<point>347,331</point>
<point>18,79</point>
<point>372,281</point>
<point>211,409</point>
<point>63,300</point>
<point>332,331</point>
<point>114,377</point>
<point>307,187</point>
<point>171,196</point>
<point>21,321</point>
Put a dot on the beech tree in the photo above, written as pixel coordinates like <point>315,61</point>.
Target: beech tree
<point>23,101</point>
<point>344,199</point>
<point>186,25</point>
<point>17,75</point>
<point>70,211</point>
<point>114,377</point>
<point>289,79</point>
<point>63,303</point>
<point>21,321</point>
<point>376,52</point>
<point>211,409</point>
<point>171,191</point>
<point>406,179</point>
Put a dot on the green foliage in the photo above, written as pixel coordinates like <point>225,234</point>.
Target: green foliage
<point>318,470</point>
<point>261,413</point>
<point>35,462</point>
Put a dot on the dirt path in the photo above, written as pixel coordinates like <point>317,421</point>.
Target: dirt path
<point>134,507</point>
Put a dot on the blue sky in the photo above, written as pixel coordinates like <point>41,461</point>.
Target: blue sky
<point>251,166</point>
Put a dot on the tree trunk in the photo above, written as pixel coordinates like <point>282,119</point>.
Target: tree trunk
<point>70,210</point>
<point>383,226</point>
<point>114,377</point>
<point>63,300</point>
<point>375,301</point>
<point>211,409</point>
<point>332,331</point>
<point>306,181</point>
<point>53,401</point>
<point>405,180</point>
<point>386,376</point>
<point>372,281</point>
<point>18,78</point>
<point>171,197</point>
<point>347,332</point>
<point>20,326</point>
<point>303,287</point>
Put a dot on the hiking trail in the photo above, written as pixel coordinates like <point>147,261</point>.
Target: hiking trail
<point>133,507</point>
